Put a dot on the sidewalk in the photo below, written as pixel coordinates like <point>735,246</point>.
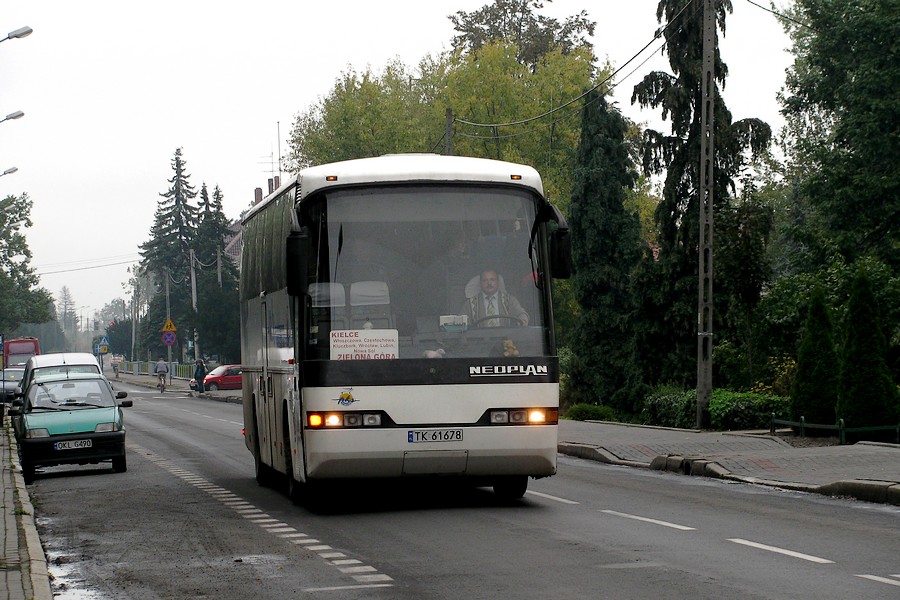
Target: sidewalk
<point>865,471</point>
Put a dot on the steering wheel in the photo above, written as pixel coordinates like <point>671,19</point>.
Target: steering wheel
<point>510,318</point>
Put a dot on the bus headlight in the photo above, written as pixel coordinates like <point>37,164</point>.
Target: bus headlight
<point>524,416</point>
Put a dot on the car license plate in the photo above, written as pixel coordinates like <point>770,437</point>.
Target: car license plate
<point>72,445</point>
<point>416,436</point>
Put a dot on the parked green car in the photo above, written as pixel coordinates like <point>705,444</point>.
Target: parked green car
<point>73,418</point>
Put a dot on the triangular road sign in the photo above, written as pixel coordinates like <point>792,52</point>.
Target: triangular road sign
<point>169,326</point>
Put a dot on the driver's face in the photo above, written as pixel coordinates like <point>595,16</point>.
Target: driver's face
<point>489,282</point>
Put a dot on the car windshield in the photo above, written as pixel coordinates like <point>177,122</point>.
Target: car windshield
<point>218,370</point>
<point>54,371</point>
<point>11,374</point>
<point>64,395</point>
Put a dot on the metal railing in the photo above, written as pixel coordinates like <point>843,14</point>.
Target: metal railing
<point>143,367</point>
<point>842,429</point>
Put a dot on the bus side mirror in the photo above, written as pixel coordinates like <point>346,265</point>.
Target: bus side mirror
<point>560,246</point>
<point>296,262</point>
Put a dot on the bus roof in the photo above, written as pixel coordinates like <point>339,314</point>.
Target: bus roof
<point>409,168</point>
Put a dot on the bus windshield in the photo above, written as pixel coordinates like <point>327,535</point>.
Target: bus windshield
<point>424,271</point>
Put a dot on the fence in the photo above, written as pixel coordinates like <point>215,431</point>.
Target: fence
<point>842,430</point>
<point>143,367</point>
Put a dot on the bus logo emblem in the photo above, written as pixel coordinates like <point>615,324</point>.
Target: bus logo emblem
<point>346,398</point>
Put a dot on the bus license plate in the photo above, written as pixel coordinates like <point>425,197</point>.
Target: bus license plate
<point>72,445</point>
<point>434,435</point>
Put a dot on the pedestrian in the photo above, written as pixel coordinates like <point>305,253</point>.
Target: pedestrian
<point>199,374</point>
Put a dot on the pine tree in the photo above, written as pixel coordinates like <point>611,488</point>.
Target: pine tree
<point>174,225</point>
<point>814,390</point>
<point>218,321</point>
<point>866,395</point>
<point>668,283</point>
<point>166,256</point>
<point>606,247</point>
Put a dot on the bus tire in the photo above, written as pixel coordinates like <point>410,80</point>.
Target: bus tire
<point>511,488</point>
<point>263,471</point>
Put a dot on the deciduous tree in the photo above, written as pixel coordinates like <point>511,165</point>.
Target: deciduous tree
<point>21,300</point>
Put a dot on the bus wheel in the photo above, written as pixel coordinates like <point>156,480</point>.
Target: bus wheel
<point>263,471</point>
<point>511,488</point>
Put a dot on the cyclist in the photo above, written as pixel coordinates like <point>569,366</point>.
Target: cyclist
<point>161,369</point>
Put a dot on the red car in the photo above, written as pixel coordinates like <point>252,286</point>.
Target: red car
<point>223,377</point>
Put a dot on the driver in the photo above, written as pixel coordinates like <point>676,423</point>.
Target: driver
<point>490,299</point>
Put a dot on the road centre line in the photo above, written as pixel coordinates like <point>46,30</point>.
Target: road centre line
<point>649,520</point>
<point>800,555</point>
<point>549,497</point>
<point>881,579</point>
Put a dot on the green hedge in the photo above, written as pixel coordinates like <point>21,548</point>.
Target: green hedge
<point>669,406</point>
<point>744,410</point>
<point>591,412</point>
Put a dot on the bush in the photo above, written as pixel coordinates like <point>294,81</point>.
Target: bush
<point>670,406</point>
<point>591,412</point>
<point>744,410</point>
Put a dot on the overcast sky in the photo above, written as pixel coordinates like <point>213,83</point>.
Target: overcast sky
<point>110,89</point>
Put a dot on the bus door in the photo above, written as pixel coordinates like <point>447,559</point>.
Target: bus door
<point>264,419</point>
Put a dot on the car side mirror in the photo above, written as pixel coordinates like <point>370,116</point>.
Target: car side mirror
<point>126,403</point>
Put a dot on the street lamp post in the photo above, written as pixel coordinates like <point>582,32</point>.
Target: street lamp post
<point>18,33</point>
<point>13,115</point>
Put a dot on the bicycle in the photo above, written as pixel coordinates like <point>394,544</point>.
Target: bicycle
<point>162,382</point>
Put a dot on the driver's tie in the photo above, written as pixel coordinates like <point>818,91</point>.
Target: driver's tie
<point>492,311</point>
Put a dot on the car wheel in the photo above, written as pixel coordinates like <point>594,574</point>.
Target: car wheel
<point>212,387</point>
<point>28,472</point>
<point>120,464</point>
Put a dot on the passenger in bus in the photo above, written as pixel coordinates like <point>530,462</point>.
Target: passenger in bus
<point>488,304</point>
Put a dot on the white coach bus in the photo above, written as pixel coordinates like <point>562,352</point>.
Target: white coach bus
<point>370,348</point>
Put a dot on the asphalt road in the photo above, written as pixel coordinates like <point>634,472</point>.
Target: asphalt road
<point>187,520</point>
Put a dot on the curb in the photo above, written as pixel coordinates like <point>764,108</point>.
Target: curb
<point>867,490</point>
<point>39,576</point>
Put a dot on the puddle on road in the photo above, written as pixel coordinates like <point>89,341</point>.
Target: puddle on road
<point>65,580</point>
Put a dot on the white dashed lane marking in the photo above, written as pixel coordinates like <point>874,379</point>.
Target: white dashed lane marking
<point>648,520</point>
<point>800,555</point>
<point>367,576</point>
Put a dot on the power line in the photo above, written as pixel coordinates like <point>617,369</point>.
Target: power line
<point>126,262</point>
<point>781,16</point>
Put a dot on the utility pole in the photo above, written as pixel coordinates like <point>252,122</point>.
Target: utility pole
<point>168,318</point>
<point>194,301</point>
<point>219,265</point>
<point>448,133</point>
<point>135,310</point>
<point>705,271</point>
